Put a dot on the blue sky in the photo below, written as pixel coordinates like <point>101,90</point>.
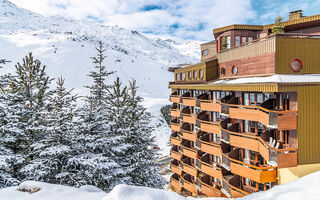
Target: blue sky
<point>176,19</point>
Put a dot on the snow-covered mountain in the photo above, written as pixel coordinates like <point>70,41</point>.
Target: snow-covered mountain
<point>66,45</point>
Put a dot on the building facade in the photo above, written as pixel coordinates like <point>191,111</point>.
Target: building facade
<point>246,117</point>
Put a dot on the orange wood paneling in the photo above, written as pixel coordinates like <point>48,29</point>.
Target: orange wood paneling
<point>175,99</point>
<point>244,143</point>
<point>210,192</point>
<point>175,141</point>
<point>287,122</point>
<point>210,128</point>
<point>249,114</point>
<point>287,160</point>
<point>189,119</point>
<point>190,187</point>
<point>176,185</point>
<point>175,127</point>
<point>190,170</point>
<point>175,113</point>
<point>253,174</point>
<point>236,194</point>
<point>214,107</point>
<point>264,151</point>
<point>189,102</point>
<point>212,149</point>
<point>175,169</point>
<point>212,171</point>
<point>191,136</point>
<point>190,153</point>
<point>175,155</point>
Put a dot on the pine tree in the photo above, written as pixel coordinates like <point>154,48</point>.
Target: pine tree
<point>24,102</point>
<point>93,164</point>
<point>54,149</point>
<point>142,156</point>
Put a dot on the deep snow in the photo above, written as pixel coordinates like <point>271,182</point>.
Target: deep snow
<point>305,188</point>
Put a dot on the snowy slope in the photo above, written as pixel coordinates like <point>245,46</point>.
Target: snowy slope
<point>65,47</point>
<point>305,188</point>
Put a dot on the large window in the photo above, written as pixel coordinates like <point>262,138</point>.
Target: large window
<point>228,42</point>
<point>195,74</point>
<point>250,39</point>
<point>183,76</point>
<point>243,40</point>
<point>205,52</point>
<point>237,41</point>
<point>201,74</point>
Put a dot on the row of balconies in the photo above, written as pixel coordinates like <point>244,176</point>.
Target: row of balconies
<point>229,106</point>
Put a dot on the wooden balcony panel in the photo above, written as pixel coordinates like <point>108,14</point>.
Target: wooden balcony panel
<point>190,170</point>
<point>211,170</point>
<point>190,187</point>
<point>175,169</point>
<point>175,127</point>
<point>254,174</point>
<point>175,141</point>
<point>188,135</point>
<point>287,122</point>
<point>175,113</point>
<point>175,184</point>
<point>237,193</point>
<point>210,191</point>
<point>191,119</point>
<point>175,99</point>
<point>213,149</point>
<point>286,160</point>
<point>210,128</point>
<point>249,114</point>
<point>175,155</point>
<point>191,153</point>
<point>207,106</point>
<point>189,102</point>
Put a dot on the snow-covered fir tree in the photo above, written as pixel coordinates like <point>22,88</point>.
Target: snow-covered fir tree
<point>23,103</point>
<point>53,150</point>
<point>93,164</point>
<point>141,153</point>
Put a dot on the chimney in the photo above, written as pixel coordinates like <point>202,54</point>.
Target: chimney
<point>297,14</point>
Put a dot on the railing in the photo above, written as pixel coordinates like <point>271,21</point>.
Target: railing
<point>232,190</point>
<point>175,155</point>
<point>175,169</point>
<point>188,186</point>
<point>175,141</point>
<point>189,135</point>
<point>209,169</point>
<point>175,98</point>
<point>191,153</point>
<point>209,190</point>
<point>188,169</point>
<point>211,148</point>
<point>175,112</point>
<point>189,101</point>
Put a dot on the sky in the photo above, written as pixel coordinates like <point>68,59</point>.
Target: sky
<point>181,19</point>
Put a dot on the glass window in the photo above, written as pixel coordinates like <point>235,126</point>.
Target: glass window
<point>214,118</point>
<point>259,99</point>
<point>190,75</point>
<point>183,76</point>
<point>178,77</point>
<point>223,94</point>
<point>266,96</point>
<point>195,74</point>
<point>228,42</point>
<point>246,126</point>
<point>201,74</point>
<point>214,95</point>
<point>234,70</point>
<point>223,71</point>
<point>252,99</point>
<point>246,99</point>
<point>250,39</point>
<point>218,96</point>
<point>214,138</point>
<point>243,40</point>
<point>237,41</point>
<point>247,181</point>
<point>205,52</point>
<point>218,138</point>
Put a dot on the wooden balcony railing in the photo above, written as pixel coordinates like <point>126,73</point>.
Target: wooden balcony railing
<point>175,155</point>
<point>175,98</point>
<point>175,112</point>
<point>209,190</point>
<point>175,183</point>
<point>191,187</point>
<point>175,126</point>
<point>189,135</point>
<point>189,169</point>
<point>208,147</point>
<point>189,101</point>
<point>175,169</point>
<point>209,169</point>
<point>189,118</point>
<point>191,153</point>
<point>231,190</point>
<point>175,141</point>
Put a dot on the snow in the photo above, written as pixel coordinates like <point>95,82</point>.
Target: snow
<point>277,78</point>
<point>65,47</point>
<point>305,188</point>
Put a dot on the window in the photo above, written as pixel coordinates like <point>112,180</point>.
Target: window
<point>228,42</point>
<point>205,52</point>
<point>250,39</point>
<point>183,76</point>
<point>223,71</point>
<point>195,75</point>
<point>246,99</point>
<point>259,99</point>
<point>234,70</point>
<point>201,74</point>
<point>178,76</point>
<point>246,126</point>
<point>237,41</point>
<point>243,40</point>
<point>252,99</point>
<point>190,75</point>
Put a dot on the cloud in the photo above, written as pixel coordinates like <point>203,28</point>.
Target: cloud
<point>187,19</point>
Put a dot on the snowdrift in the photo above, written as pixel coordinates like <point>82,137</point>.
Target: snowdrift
<point>304,188</point>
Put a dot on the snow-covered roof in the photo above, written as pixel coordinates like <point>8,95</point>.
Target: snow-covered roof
<point>277,78</point>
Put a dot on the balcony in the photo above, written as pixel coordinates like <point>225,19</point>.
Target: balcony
<point>188,150</point>
<point>204,144</point>
<point>174,180</point>
<point>175,112</point>
<point>175,97</point>
<point>187,132</point>
<point>206,104</point>
<point>207,125</point>
<point>188,100</point>
<point>232,187</point>
<point>187,116</point>
<point>187,166</point>
<point>175,139</point>
<point>205,165</point>
<point>175,167</point>
<point>281,120</point>
<point>208,187</point>
<point>187,183</point>
<point>175,153</point>
<point>175,125</point>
